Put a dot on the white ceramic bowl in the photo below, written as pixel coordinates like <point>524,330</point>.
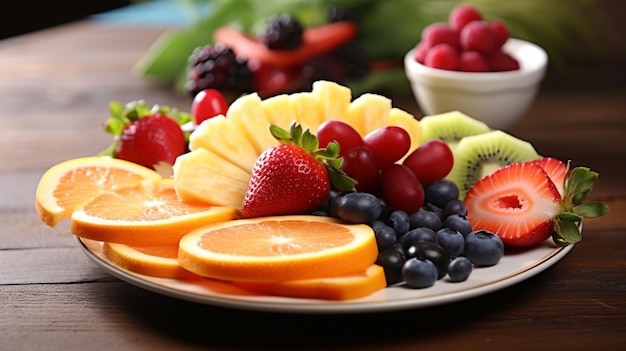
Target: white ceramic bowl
<point>496,98</point>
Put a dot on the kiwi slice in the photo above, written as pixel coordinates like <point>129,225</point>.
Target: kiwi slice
<point>479,155</point>
<point>451,127</point>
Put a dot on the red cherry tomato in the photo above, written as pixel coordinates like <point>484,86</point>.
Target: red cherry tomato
<point>207,104</point>
<point>431,161</point>
<point>401,188</point>
<point>341,132</point>
<point>388,144</point>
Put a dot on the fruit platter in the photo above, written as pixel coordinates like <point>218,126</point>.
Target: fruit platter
<point>316,201</point>
<point>235,223</point>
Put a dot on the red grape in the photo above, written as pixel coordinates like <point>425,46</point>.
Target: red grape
<point>359,163</point>
<point>341,132</point>
<point>208,103</point>
<point>431,161</point>
<point>401,188</point>
<point>388,144</point>
<point>478,36</point>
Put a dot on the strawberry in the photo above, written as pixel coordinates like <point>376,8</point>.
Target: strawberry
<point>149,137</point>
<point>555,169</point>
<point>522,205</point>
<point>294,176</point>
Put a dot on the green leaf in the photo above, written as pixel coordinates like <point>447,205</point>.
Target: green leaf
<point>592,209</point>
<point>568,232</point>
<point>280,134</point>
<point>340,180</point>
<point>309,141</point>
<point>569,216</point>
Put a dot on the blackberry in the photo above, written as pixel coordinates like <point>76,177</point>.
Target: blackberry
<point>353,58</point>
<point>282,32</point>
<point>217,67</point>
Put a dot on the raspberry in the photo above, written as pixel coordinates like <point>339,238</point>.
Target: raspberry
<point>472,61</point>
<point>501,61</point>
<point>282,32</point>
<point>478,36</point>
<point>463,14</point>
<point>437,33</point>
<point>501,31</point>
<point>420,52</point>
<point>442,56</point>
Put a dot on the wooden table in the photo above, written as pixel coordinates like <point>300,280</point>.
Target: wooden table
<point>55,86</point>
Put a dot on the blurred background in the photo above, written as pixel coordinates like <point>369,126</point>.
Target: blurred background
<point>589,41</point>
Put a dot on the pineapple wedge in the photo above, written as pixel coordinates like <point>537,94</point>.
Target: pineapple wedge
<point>333,99</point>
<point>248,115</point>
<point>205,177</point>
<point>307,110</point>
<point>401,118</point>
<point>220,136</point>
<point>279,110</point>
<point>368,112</point>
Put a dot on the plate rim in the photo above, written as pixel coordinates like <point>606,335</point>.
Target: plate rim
<point>309,306</point>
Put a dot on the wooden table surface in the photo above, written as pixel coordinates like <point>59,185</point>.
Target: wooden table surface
<point>55,86</point>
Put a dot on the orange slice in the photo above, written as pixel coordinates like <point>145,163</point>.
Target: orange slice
<point>147,214</point>
<point>156,261</point>
<point>351,286</point>
<point>69,184</point>
<point>278,248</point>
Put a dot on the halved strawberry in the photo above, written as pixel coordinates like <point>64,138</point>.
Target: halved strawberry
<point>555,168</point>
<point>315,41</point>
<point>518,202</point>
<point>522,205</point>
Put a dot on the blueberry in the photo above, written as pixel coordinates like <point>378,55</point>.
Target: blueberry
<point>392,262</point>
<point>358,207</point>
<point>418,234</point>
<point>483,248</point>
<point>459,269</point>
<point>399,221</point>
<point>425,218</point>
<point>385,237</point>
<point>459,223</point>
<point>430,251</point>
<point>454,206</point>
<point>377,224</point>
<point>419,273</point>
<point>452,241</point>
<point>440,192</point>
<point>430,207</point>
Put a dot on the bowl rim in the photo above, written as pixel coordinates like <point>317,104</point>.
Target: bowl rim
<point>414,68</point>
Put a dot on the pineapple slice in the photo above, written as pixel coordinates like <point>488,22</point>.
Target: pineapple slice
<point>401,118</point>
<point>220,136</point>
<point>333,99</point>
<point>368,112</point>
<point>249,117</point>
<point>279,110</point>
<point>307,110</point>
<point>205,177</point>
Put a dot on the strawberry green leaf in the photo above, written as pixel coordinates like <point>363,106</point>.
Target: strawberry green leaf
<point>280,134</point>
<point>340,180</point>
<point>566,232</point>
<point>569,216</point>
<point>579,184</point>
<point>591,209</point>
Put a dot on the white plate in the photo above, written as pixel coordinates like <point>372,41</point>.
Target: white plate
<point>513,268</point>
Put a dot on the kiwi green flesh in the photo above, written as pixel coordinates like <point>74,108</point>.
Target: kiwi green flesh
<point>451,127</point>
<point>480,155</point>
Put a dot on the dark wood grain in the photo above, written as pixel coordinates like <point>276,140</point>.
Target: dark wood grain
<point>55,86</point>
